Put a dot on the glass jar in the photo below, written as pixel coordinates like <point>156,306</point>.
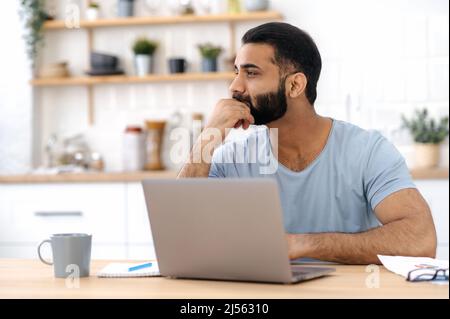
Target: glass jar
<point>96,162</point>
<point>133,149</point>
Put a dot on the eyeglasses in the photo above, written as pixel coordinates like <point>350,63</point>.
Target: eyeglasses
<point>427,274</point>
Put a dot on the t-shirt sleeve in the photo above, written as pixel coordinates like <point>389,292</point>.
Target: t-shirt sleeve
<point>386,171</point>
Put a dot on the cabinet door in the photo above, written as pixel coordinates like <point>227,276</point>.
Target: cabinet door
<point>435,193</point>
<point>140,241</point>
<point>31,213</point>
<point>139,231</point>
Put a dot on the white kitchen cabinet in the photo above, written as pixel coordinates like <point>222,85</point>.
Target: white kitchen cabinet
<point>436,194</point>
<point>30,213</point>
<point>138,224</point>
<point>140,241</point>
<point>116,215</point>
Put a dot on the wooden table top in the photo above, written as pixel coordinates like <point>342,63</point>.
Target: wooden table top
<point>21,278</point>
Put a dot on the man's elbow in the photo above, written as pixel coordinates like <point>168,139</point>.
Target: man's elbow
<point>427,243</point>
<point>431,246</point>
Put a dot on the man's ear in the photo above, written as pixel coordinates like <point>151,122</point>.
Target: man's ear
<point>296,85</point>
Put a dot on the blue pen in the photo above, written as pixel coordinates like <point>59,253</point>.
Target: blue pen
<point>140,267</point>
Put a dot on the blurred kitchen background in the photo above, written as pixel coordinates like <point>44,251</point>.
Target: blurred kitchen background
<point>88,114</point>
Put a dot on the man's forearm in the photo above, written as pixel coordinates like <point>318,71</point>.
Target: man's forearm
<point>199,162</point>
<point>191,169</point>
<point>403,237</point>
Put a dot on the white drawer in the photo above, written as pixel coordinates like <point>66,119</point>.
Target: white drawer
<point>138,224</point>
<point>30,213</point>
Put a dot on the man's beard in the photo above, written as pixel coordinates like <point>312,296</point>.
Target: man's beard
<point>269,107</point>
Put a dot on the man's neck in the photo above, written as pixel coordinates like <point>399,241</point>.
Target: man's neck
<point>302,135</point>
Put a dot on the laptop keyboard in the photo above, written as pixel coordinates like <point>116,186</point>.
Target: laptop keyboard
<point>302,270</point>
<point>298,272</point>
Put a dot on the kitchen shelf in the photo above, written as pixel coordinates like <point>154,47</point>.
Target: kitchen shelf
<point>90,26</point>
<point>123,79</point>
<point>153,20</point>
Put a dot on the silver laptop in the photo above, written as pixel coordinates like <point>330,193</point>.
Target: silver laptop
<point>224,229</point>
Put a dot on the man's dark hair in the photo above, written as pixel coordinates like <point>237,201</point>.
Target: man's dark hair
<point>295,50</point>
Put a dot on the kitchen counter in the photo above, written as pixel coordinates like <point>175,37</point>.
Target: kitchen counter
<point>417,174</point>
<point>94,177</point>
<point>433,173</point>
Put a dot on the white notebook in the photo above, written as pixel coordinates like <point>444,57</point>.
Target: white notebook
<point>121,270</point>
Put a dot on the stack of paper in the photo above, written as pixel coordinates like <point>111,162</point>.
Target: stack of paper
<point>403,265</point>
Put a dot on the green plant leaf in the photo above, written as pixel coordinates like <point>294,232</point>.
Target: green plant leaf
<point>144,46</point>
<point>425,129</point>
<point>32,13</point>
<point>209,50</point>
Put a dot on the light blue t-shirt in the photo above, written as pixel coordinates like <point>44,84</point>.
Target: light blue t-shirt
<point>337,192</point>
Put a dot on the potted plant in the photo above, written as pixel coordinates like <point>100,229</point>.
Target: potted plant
<point>144,49</point>
<point>92,12</point>
<point>34,15</point>
<point>187,7</point>
<point>428,134</point>
<point>256,5</point>
<point>209,54</point>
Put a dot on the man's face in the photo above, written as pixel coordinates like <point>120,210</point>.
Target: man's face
<point>258,83</point>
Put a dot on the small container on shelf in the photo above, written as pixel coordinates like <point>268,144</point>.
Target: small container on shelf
<point>154,139</point>
<point>256,5</point>
<point>133,149</point>
<point>125,8</point>
<point>93,11</point>
<point>54,70</point>
<point>96,162</point>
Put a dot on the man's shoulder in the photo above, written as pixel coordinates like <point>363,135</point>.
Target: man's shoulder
<point>350,135</point>
<point>365,147</point>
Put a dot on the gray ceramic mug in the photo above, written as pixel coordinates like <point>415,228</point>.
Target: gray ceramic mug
<point>71,254</point>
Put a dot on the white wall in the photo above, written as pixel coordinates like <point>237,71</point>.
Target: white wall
<point>380,59</point>
<point>15,94</point>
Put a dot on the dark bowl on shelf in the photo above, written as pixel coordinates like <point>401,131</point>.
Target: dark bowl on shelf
<point>100,72</point>
<point>103,61</point>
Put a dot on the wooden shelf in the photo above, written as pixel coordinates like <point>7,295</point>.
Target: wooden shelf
<point>150,20</point>
<point>123,79</point>
<point>86,177</point>
<point>89,26</point>
<point>429,173</point>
